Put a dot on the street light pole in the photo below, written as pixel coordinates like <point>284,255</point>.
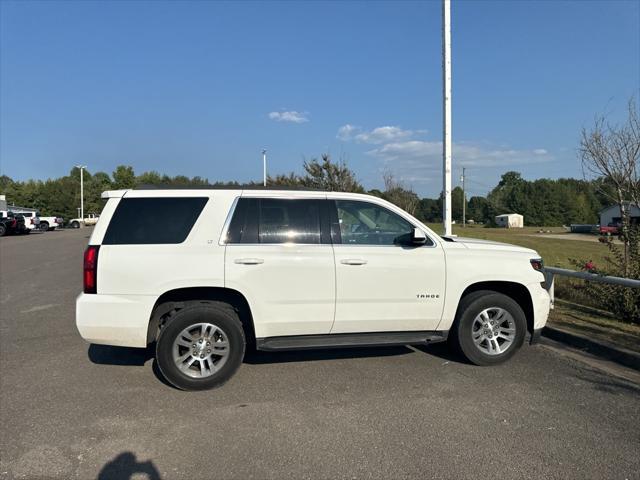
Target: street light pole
<point>264,168</point>
<point>464,201</point>
<point>446,114</point>
<point>81,167</point>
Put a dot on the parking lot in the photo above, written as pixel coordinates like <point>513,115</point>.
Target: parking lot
<point>71,410</point>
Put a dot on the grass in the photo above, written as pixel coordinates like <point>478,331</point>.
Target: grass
<point>556,252</point>
<point>595,324</point>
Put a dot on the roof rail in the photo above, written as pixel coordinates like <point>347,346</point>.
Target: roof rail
<point>227,187</point>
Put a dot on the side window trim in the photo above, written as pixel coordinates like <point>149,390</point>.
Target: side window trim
<point>227,223</point>
<point>327,211</point>
<point>336,236</point>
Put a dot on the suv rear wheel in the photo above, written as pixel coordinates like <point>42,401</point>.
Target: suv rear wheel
<point>489,327</point>
<point>201,346</point>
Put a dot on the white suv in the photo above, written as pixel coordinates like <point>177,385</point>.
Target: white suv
<point>203,272</point>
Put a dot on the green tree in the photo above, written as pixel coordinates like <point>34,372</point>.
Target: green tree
<point>124,177</point>
<point>478,209</point>
<point>456,204</point>
<point>327,175</point>
<point>149,178</point>
<point>430,210</point>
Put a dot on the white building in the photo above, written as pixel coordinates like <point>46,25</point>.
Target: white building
<point>612,216</point>
<point>510,220</point>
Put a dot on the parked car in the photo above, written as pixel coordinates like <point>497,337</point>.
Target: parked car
<point>89,220</point>
<point>31,220</point>
<point>289,270</point>
<point>12,224</point>
<point>50,223</point>
<point>610,229</point>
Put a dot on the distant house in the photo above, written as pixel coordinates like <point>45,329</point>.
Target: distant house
<point>612,215</point>
<point>510,220</point>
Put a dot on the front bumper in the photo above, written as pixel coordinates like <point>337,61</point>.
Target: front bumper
<point>535,336</point>
<point>541,301</point>
<point>119,320</point>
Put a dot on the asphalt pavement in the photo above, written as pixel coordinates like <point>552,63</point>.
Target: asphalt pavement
<point>69,410</point>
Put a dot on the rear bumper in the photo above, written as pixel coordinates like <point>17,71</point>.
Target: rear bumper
<point>119,320</point>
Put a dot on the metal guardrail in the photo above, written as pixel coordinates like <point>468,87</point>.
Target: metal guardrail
<point>551,272</point>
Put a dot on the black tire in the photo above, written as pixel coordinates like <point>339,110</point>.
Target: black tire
<point>460,336</point>
<point>75,224</point>
<point>3,230</point>
<point>219,314</point>
<point>44,226</point>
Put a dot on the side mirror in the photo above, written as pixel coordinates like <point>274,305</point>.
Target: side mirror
<point>418,237</point>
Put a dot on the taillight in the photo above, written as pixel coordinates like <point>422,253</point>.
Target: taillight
<point>537,264</point>
<point>90,274</point>
<point>32,221</point>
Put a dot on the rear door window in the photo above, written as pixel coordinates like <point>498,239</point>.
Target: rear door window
<point>163,220</point>
<point>275,221</point>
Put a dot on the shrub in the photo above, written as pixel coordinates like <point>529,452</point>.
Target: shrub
<point>623,302</point>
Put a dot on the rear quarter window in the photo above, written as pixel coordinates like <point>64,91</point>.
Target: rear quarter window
<point>153,220</point>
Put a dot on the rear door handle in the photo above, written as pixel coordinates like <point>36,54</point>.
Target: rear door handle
<point>248,261</point>
<point>353,261</point>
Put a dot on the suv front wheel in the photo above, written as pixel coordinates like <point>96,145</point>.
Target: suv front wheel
<point>201,346</point>
<point>489,327</point>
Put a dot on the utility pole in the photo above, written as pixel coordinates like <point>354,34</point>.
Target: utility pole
<point>446,115</point>
<point>464,201</point>
<point>264,168</point>
<point>81,167</point>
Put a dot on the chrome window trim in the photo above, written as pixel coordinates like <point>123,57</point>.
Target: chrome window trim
<point>225,227</point>
<point>285,244</point>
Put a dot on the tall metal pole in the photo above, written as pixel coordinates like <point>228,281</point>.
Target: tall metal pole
<point>464,201</point>
<point>446,115</point>
<point>82,193</point>
<point>81,167</point>
<point>264,168</point>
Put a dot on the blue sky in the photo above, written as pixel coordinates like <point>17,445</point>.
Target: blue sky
<point>199,88</point>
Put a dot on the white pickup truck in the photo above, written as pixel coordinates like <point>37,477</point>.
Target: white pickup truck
<point>286,270</point>
<point>89,220</point>
<point>35,221</point>
<point>31,221</point>
<point>50,223</point>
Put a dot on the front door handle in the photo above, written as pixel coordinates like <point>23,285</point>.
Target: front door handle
<point>248,261</point>
<point>353,261</point>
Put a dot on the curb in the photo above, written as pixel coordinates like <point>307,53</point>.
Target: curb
<point>612,352</point>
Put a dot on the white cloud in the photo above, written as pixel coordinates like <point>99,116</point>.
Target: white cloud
<point>347,132</point>
<point>383,135</point>
<point>289,116</point>
<point>376,136</point>
<point>417,157</point>
<point>419,162</point>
